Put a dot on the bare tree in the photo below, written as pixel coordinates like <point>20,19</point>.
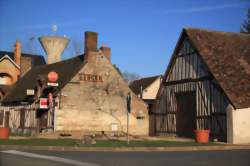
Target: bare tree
<point>77,46</point>
<point>128,76</point>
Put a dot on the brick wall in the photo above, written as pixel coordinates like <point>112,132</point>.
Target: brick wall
<point>26,64</point>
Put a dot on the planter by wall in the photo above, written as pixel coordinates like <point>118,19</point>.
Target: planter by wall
<point>4,132</point>
<point>202,136</point>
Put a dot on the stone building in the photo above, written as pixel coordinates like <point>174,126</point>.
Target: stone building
<point>91,96</point>
<point>206,86</point>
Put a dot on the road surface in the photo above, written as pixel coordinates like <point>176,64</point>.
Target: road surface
<point>65,158</point>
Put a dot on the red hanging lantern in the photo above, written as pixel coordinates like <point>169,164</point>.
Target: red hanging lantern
<point>52,76</point>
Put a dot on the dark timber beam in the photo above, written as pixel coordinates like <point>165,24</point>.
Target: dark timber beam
<point>187,80</point>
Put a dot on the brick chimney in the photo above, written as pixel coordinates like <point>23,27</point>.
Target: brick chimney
<point>106,51</point>
<point>17,52</point>
<point>90,46</point>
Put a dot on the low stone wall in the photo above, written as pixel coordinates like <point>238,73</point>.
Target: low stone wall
<point>238,126</point>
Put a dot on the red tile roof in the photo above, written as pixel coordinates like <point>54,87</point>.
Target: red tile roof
<point>227,56</point>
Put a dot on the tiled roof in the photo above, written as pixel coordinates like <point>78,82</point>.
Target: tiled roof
<point>65,69</point>
<point>36,59</point>
<point>5,88</point>
<point>227,55</point>
<point>136,85</point>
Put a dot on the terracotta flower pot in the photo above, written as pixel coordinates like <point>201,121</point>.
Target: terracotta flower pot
<point>4,132</point>
<point>202,136</point>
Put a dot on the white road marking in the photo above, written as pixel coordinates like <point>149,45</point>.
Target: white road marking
<point>53,158</point>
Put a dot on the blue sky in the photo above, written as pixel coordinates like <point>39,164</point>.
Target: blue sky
<point>141,33</point>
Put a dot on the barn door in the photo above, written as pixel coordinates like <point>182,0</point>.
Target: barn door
<point>186,112</point>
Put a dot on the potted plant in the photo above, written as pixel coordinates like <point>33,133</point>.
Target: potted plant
<point>202,135</point>
<point>4,132</point>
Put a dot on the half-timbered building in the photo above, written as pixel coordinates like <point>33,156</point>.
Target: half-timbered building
<point>208,75</point>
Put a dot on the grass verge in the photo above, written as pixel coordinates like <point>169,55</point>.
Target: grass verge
<point>101,143</point>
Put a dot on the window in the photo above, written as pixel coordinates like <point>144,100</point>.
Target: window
<point>5,79</point>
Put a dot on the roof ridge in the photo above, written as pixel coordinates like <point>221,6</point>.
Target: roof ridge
<point>8,57</point>
<point>151,76</point>
<point>65,60</point>
<point>215,31</point>
<point>22,53</point>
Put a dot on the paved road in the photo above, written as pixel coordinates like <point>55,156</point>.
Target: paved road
<point>195,158</point>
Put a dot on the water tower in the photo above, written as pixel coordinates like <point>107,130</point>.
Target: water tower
<point>53,46</point>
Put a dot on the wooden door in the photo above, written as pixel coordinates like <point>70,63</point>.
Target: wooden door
<point>42,119</point>
<point>6,119</point>
<point>1,117</point>
<point>186,113</point>
<point>22,118</point>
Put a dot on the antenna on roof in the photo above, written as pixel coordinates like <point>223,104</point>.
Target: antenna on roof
<point>54,28</point>
<point>103,44</point>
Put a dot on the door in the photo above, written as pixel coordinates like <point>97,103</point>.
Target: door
<point>6,119</point>
<point>42,119</point>
<point>22,118</point>
<point>186,113</point>
<point>1,117</point>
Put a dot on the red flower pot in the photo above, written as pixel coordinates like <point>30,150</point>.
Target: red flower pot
<point>202,136</point>
<point>4,132</point>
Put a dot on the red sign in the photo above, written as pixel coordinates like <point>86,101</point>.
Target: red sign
<point>43,103</point>
<point>52,76</point>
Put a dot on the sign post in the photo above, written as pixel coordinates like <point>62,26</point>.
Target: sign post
<point>128,111</point>
<point>52,82</point>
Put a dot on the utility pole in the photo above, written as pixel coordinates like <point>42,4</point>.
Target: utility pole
<point>128,111</point>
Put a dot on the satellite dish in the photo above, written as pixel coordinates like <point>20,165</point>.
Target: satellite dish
<point>54,28</point>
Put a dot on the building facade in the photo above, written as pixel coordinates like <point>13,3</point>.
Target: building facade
<point>90,96</point>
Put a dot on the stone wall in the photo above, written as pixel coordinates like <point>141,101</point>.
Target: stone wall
<point>238,126</point>
<point>95,100</point>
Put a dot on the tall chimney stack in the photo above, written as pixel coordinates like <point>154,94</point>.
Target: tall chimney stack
<point>53,47</point>
<point>90,47</point>
<point>17,52</point>
<point>106,51</point>
<point>90,41</point>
